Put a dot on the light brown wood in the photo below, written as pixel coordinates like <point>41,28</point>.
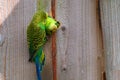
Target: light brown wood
<point>79,42</point>
<point>110,12</point>
<point>14,65</point>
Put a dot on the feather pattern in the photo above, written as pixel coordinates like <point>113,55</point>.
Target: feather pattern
<point>40,27</point>
<point>38,68</point>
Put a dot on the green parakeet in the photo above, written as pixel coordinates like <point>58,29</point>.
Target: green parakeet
<point>41,26</point>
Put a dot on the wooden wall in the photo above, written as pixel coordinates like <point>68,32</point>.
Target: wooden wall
<point>110,17</point>
<point>80,53</point>
<point>14,65</point>
<point>14,53</point>
<point>79,46</point>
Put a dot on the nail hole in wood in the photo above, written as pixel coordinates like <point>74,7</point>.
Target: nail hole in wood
<point>63,28</point>
<point>64,68</point>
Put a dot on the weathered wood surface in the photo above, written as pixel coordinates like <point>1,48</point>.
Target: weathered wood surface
<point>79,42</point>
<point>110,15</point>
<point>14,65</point>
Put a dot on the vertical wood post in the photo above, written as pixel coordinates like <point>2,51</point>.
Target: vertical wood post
<point>53,2</point>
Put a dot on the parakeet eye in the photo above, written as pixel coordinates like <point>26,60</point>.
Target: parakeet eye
<point>58,24</point>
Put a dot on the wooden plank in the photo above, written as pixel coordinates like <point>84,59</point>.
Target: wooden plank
<point>17,65</point>
<point>54,50</point>
<point>111,29</point>
<point>3,48</point>
<point>79,42</point>
<point>14,56</point>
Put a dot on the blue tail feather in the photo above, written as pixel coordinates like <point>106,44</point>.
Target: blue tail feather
<point>38,68</point>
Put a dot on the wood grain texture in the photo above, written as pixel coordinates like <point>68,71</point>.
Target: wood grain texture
<point>54,50</point>
<point>110,15</point>
<point>14,65</point>
<point>79,42</point>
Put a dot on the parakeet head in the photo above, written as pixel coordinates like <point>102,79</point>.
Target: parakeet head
<point>51,25</point>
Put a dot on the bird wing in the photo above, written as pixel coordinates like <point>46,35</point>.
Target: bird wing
<point>36,37</point>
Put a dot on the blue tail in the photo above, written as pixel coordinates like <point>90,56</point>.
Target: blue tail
<point>38,68</point>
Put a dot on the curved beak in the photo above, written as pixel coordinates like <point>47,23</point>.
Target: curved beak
<point>55,29</point>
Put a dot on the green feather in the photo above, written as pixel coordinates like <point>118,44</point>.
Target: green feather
<point>41,26</point>
<point>41,56</point>
<point>36,35</point>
